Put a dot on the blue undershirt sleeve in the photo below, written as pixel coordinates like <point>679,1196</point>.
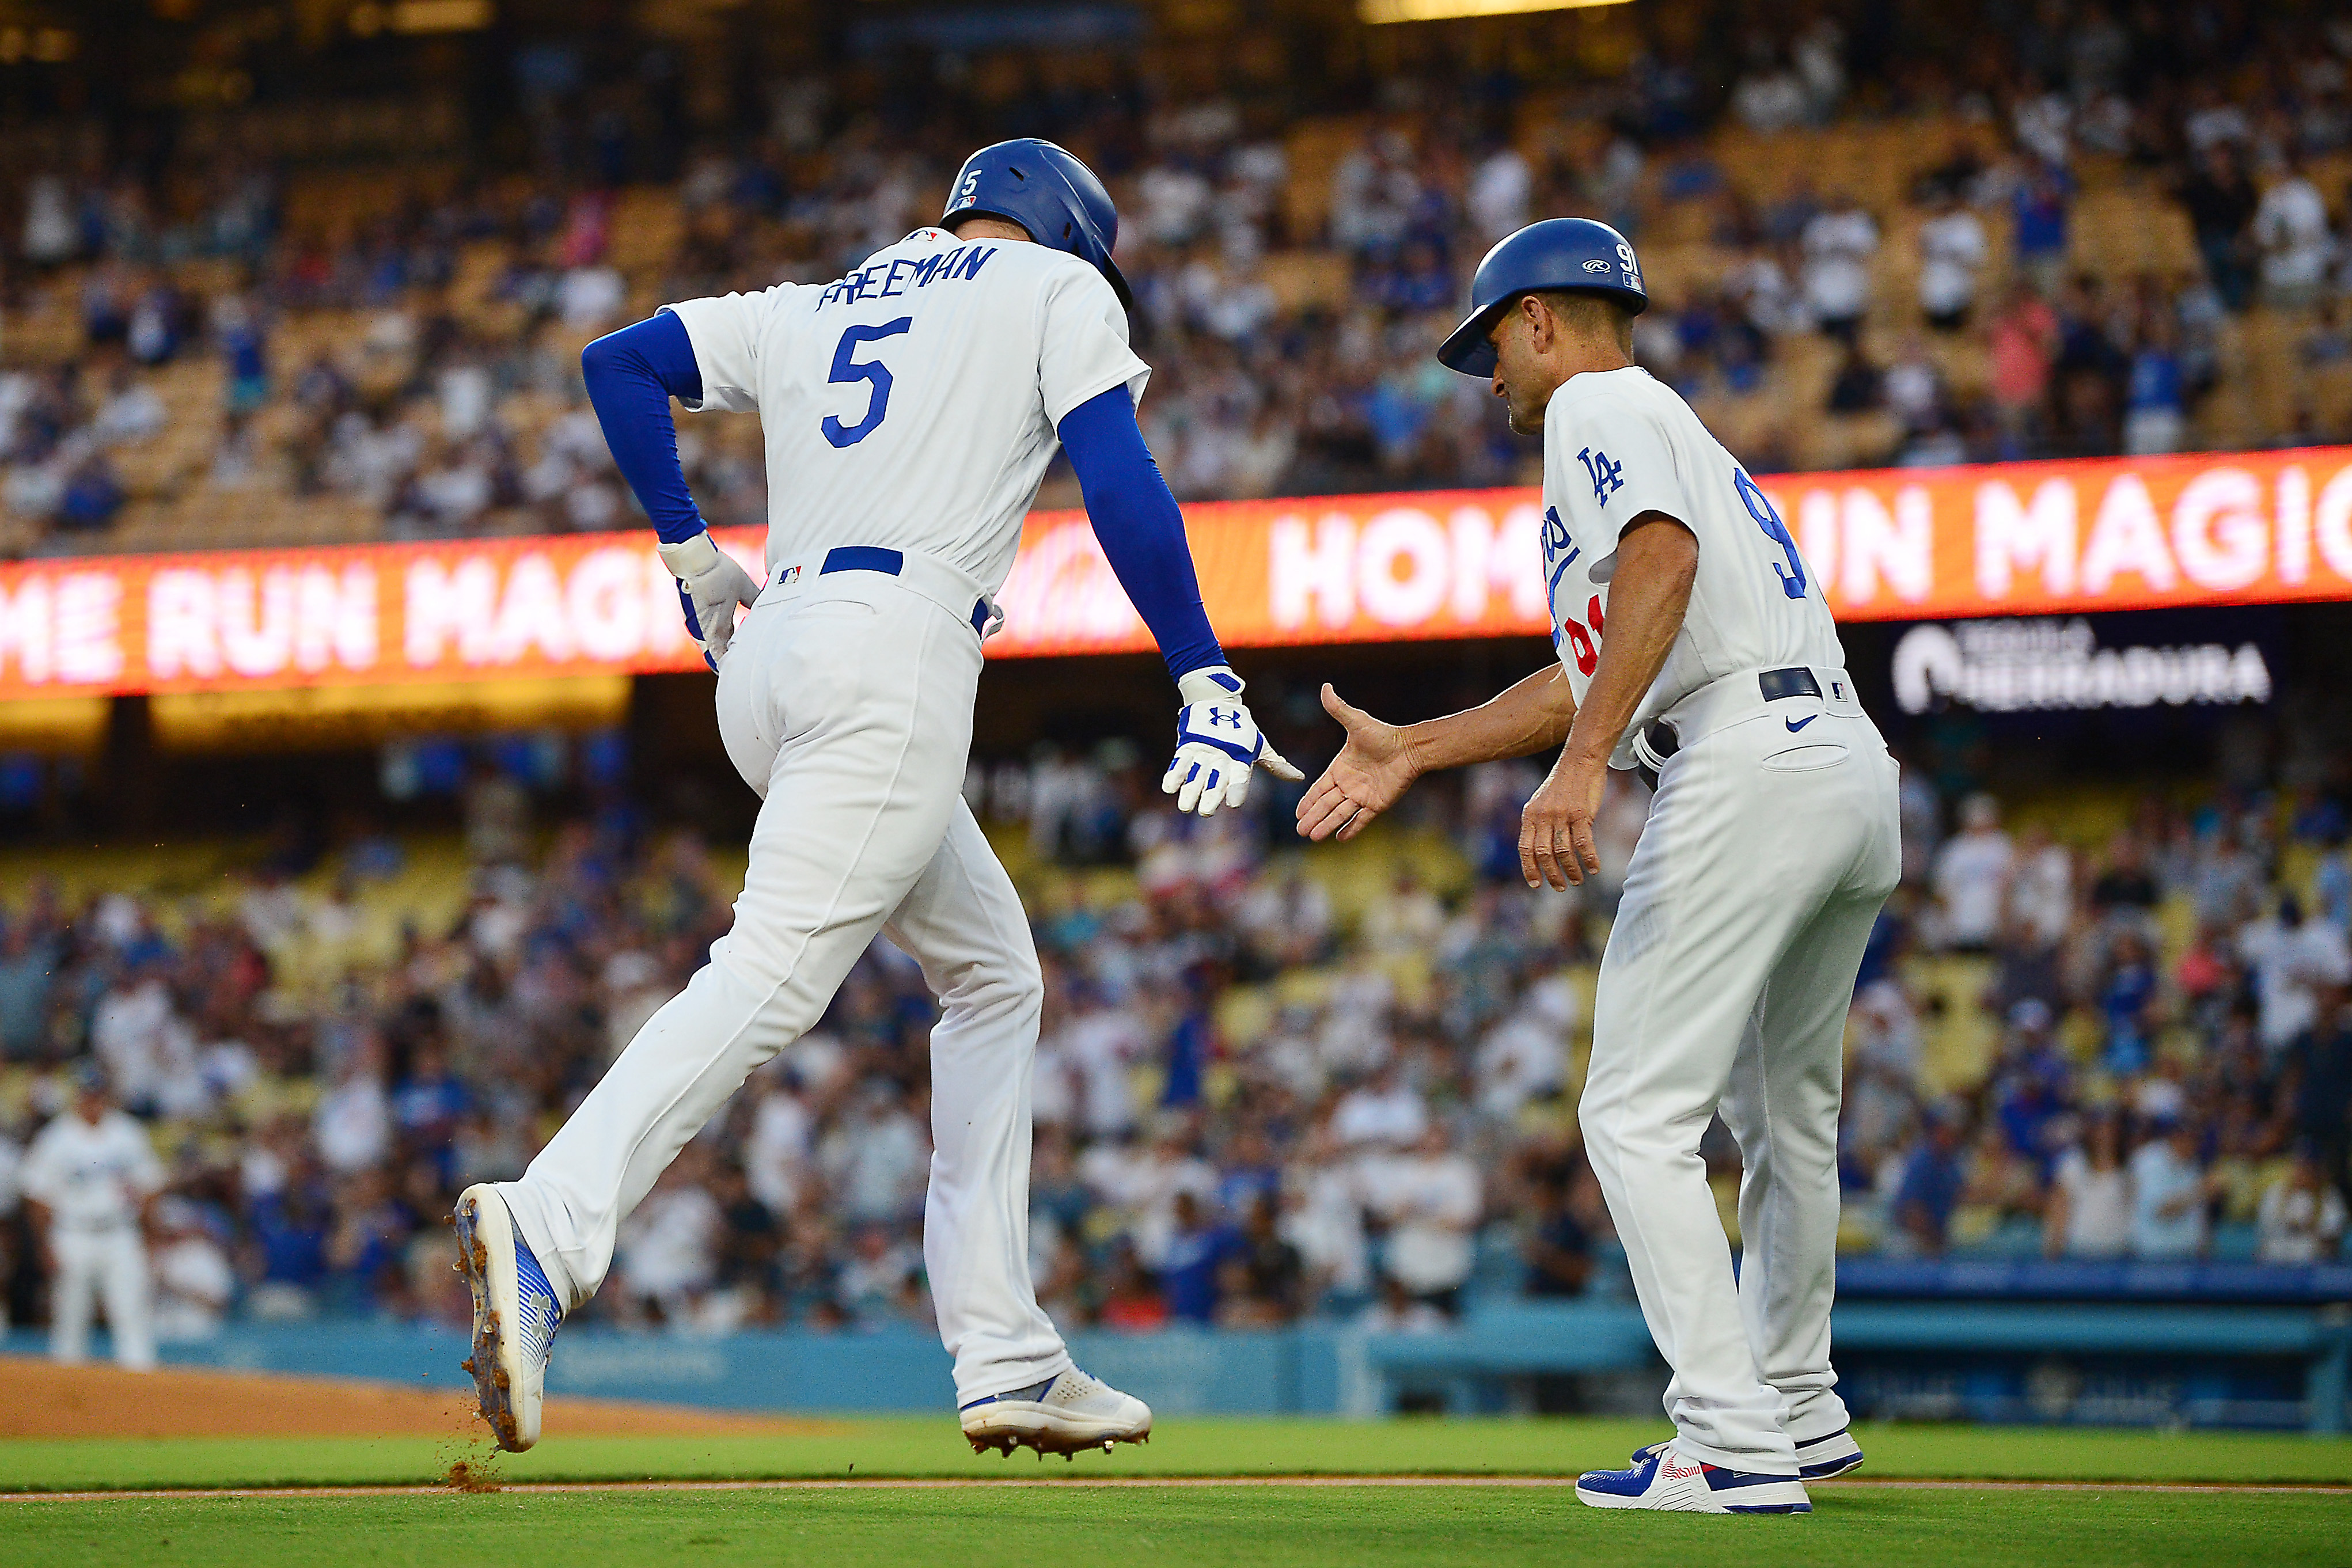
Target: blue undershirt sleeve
<point>1141,531</point>
<point>632,374</point>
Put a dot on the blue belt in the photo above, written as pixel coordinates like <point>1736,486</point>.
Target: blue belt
<point>889,563</point>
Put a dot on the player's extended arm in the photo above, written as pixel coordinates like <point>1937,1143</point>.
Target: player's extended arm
<point>1142,532</point>
<point>1657,561</point>
<point>632,374</point>
<point>1380,761</point>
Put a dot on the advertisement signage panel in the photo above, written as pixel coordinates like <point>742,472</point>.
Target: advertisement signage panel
<point>2018,540</point>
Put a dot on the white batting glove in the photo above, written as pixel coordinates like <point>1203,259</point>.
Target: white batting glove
<point>1217,744</point>
<point>710,584</point>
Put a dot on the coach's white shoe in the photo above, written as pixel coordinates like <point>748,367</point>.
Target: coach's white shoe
<point>515,1317</point>
<point>1061,1415</point>
<point>1664,1479</point>
<point>1819,1458</point>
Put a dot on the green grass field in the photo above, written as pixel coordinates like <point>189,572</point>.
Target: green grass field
<point>1281,1526</point>
<point>928,1446</point>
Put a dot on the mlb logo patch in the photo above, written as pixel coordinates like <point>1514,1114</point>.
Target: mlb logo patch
<point>1837,691</point>
<point>791,574</point>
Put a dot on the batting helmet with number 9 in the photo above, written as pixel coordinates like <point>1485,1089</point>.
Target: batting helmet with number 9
<point>1558,253</point>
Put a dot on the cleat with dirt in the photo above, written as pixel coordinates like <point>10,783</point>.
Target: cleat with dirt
<point>515,1318</point>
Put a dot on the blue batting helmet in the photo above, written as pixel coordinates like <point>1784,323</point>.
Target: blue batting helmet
<point>1048,192</point>
<point>1557,254</point>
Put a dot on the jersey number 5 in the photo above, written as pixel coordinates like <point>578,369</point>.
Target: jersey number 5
<point>876,376</point>
<point>1792,581</point>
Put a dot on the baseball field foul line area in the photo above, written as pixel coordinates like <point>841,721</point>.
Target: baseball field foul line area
<point>239,1470</point>
<point>910,1483</point>
<point>1381,1522</point>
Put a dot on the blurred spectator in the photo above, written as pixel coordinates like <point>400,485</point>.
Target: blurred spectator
<point>1839,243</point>
<point>1859,385</point>
<point>1128,1300</point>
<point>2091,1207</point>
<point>2320,1064</point>
<point>2171,1193</point>
<point>1930,1181</point>
<point>2290,230</point>
<point>196,1283</point>
<point>1557,1249</point>
<point>2302,1215</point>
<point>2024,346</point>
<point>2156,414</point>
<point>1429,1199</point>
<point>2039,233</point>
<point>2221,201</point>
<point>2293,960</point>
<point>1972,872</point>
<point>1194,1266</point>
<point>1261,1281</point>
<point>1952,252</point>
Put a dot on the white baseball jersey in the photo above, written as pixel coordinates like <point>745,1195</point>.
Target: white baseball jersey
<point>91,1177</point>
<point>1618,444</point>
<point>912,403</point>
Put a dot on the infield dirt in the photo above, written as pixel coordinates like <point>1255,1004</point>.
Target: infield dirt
<point>39,1399</point>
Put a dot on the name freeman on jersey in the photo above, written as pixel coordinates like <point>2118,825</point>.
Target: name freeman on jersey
<point>883,282</point>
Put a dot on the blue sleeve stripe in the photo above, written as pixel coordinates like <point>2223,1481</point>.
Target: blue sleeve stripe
<point>632,374</point>
<point>1140,527</point>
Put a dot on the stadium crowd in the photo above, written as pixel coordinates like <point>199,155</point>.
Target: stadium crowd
<point>1264,1090</point>
<point>413,361</point>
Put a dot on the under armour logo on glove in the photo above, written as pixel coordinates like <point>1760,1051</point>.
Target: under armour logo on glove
<point>1217,744</point>
<point>1607,477</point>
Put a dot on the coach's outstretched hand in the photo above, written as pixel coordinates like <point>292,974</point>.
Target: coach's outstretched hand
<point>1371,770</point>
<point>1217,744</point>
<point>710,584</point>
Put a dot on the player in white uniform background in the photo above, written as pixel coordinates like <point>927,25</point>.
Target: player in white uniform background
<point>1695,645</point>
<point>89,1177</point>
<point>909,410</point>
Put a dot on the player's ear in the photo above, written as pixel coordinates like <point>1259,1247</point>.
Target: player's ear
<point>1542,325</point>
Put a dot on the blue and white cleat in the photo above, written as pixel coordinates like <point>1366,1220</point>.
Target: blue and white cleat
<point>1821,1458</point>
<point>1663,1480</point>
<point>515,1317</point>
<point>1818,1458</point>
<point>1067,1412</point>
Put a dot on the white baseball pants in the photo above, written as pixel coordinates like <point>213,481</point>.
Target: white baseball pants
<point>109,1264</point>
<point>1724,986</point>
<point>845,702</point>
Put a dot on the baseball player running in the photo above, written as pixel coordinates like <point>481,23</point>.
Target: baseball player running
<point>911,408</point>
<point>1695,647</point>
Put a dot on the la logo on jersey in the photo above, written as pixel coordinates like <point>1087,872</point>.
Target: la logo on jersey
<point>1607,477</point>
